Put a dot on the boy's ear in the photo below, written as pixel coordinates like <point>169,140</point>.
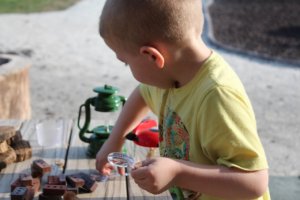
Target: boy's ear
<point>153,55</point>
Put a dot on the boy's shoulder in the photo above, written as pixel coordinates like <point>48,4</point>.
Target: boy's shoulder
<point>214,72</point>
<point>219,71</point>
<point>215,59</point>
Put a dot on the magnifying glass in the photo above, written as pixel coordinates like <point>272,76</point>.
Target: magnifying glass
<point>119,159</point>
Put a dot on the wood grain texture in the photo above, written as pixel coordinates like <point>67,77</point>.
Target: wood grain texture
<point>6,132</point>
<point>50,155</point>
<point>3,147</point>
<point>75,159</point>
<point>114,188</point>
<point>135,192</point>
<point>14,88</point>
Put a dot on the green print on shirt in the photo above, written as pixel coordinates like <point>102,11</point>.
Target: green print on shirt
<point>174,143</point>
<point>174,137</point>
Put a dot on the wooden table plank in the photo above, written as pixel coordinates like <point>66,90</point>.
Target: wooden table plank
<point>12,122</point>
<point>51,155</point>
<point>114,188</point>
<point>135,192</point>
<point>76,161</point>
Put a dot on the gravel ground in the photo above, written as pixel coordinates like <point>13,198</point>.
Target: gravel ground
<point>69,59</point>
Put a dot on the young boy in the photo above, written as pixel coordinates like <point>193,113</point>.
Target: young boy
<point>208,139</point>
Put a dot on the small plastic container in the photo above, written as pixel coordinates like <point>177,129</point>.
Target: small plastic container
<point>50,134</point>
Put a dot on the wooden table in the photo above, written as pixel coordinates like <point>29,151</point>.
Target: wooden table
<point>72,154</point>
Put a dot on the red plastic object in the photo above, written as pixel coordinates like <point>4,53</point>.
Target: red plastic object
<point>145,124</point>
<point>145,134</point>
<point>147,138</point>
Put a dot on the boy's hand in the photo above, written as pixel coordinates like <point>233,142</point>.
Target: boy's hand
<point>102,164</point>
<point>155,175</point>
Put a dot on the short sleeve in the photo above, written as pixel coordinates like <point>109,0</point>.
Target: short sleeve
<point>228,130</point>
<point>147,93</point>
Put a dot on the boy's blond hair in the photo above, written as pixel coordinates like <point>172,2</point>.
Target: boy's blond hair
<point>144,22</point>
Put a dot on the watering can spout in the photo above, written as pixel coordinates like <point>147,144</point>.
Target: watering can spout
<point>131,136</point>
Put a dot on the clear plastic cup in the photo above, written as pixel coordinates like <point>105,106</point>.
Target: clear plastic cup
<point>49,134</point>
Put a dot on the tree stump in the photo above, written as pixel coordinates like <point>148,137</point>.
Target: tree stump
<point>14,87</point>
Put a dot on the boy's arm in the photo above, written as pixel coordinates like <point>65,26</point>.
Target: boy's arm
<point>157,175</point>
<point>229,183</point>
<point>132,113</point>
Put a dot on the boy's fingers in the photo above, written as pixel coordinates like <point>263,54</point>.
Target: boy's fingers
<point>106,169</point>
<point>140,170</point>
<point>140,173</point>
<point>121,170</point>
<point>142,163</point>
<point>138,165</point>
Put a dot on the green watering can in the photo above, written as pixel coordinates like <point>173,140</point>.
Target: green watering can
<point>105,101</point>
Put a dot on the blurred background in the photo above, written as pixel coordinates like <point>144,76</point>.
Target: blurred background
<point>260,39</point>
<point>268,29</point>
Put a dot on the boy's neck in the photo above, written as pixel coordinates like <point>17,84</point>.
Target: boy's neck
<point>187,61</point>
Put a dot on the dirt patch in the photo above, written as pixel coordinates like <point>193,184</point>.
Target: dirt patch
<point>269,28</point>
<point>3,61</point>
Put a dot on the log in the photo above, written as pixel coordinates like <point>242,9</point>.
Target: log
<point>14,87</point>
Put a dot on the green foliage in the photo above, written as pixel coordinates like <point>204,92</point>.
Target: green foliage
<point>29,6</point>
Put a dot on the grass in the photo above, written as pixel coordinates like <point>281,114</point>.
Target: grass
<point>30,6</point>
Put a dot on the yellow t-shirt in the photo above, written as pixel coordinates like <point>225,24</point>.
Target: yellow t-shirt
<point>210,121</point>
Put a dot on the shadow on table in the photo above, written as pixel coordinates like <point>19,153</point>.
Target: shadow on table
<point>78,152</point>
<point>284,187</point>
<point>59,153</point>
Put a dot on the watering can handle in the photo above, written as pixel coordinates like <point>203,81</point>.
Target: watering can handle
<point>86,124</point>
<point>79,116</point>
